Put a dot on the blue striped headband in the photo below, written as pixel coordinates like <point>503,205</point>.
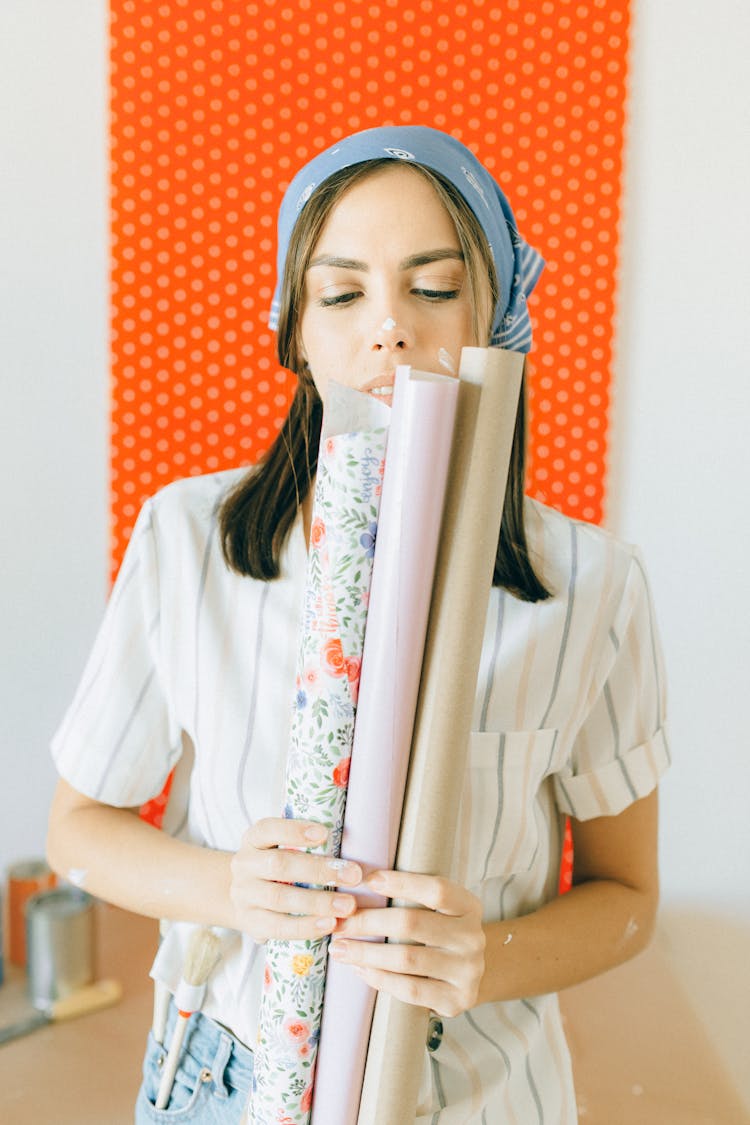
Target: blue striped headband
<point>518,266</point>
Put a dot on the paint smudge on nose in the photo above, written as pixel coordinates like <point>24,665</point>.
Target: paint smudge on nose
<point>446,360</point>
<point>388,324</point>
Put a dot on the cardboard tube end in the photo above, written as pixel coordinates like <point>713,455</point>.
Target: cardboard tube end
<point>477,362</point>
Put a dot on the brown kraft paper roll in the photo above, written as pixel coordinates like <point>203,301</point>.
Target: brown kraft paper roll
<point>487,405</point>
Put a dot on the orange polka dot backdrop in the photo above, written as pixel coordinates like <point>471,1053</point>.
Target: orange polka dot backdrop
<point>214,106</point>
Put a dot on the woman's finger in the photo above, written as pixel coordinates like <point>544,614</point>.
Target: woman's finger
<point>425,993</point>
<point>283,865</point>
<point>407,960</point>
<point>430,891</point>
<point>283,832</point>
<point>280,898</point>
<point>264,925</point>
<point>410,924</point>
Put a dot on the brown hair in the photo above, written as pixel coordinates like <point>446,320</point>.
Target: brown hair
<point>257,515</point>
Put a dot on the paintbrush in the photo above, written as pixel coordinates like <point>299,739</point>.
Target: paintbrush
<point>91,998</point>
<point>202,953</point>
<point>161,996</point>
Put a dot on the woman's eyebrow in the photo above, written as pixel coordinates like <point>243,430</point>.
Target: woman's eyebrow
<point>414,260</point>
<point>340,263</point>
<point>428,256</point>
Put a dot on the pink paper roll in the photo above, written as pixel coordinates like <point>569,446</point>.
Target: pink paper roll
<point>419,446</point>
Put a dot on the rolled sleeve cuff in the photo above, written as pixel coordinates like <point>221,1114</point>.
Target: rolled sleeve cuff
<point>618,784</point>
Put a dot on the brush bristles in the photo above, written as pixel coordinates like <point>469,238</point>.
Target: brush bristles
<point>203,952</point>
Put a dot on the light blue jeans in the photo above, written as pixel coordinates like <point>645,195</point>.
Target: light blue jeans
<point>212,1082</point>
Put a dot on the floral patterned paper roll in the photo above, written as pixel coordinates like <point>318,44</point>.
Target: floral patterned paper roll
<point>342,545</point>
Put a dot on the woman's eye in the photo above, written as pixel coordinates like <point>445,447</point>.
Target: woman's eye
<point>437,294</point>
<point>339,299</point>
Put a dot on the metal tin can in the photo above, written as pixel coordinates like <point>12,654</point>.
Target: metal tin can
<point>25,878</point>
<point>60,944</point>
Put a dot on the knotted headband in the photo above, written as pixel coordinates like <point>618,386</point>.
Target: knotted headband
<point>517,264</point>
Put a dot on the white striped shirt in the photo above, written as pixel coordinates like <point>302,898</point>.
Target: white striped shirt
<point>194,666</point>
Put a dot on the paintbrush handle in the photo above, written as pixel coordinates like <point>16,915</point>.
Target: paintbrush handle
<point>203,951</point>
<point>162,996</point>
<point>171,1061</point>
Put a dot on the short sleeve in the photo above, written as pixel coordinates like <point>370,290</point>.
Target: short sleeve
<point>118,740</point>
<point>621,750</point>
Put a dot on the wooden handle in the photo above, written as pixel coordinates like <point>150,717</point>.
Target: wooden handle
<point>101,994</point>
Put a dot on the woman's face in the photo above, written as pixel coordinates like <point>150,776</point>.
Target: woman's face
<point>386,285</point>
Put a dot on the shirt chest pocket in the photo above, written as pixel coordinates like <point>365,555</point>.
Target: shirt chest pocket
<point>498,824</point>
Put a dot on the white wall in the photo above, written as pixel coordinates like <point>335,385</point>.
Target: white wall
<point>681,451</point>
<point>53,385</point>
<point>679,470</point>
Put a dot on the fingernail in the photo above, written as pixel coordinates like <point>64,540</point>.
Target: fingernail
<point>347,872</point>
<point>317,833</point>
<point>325,924</point>
<point>377,883</point>
<point>339,948</point>
<point>342,905</point>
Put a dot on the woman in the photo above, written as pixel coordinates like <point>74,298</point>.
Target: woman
<point>395,246</point>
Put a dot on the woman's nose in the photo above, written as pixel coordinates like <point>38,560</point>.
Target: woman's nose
<point>390,335</point>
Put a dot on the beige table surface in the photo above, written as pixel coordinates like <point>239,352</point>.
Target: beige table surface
<point>640,1055</point>
<point>84,1071</point>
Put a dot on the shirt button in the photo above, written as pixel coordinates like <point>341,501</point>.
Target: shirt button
<point>434,1033</point>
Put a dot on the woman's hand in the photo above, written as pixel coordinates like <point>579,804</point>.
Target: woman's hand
<point>445,966</point>
<point>265,901</point>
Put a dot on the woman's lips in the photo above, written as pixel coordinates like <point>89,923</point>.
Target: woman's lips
<point>381,388</point>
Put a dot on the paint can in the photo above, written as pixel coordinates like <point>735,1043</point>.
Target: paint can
<point>60,944</point>
<point>25,878</point>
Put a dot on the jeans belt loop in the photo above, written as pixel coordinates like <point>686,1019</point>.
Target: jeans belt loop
<point>219,1065</point>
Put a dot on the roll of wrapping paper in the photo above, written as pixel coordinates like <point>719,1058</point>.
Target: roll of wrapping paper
<point>419,445</point>
<point>487,404</point>
<point>342,546</point>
